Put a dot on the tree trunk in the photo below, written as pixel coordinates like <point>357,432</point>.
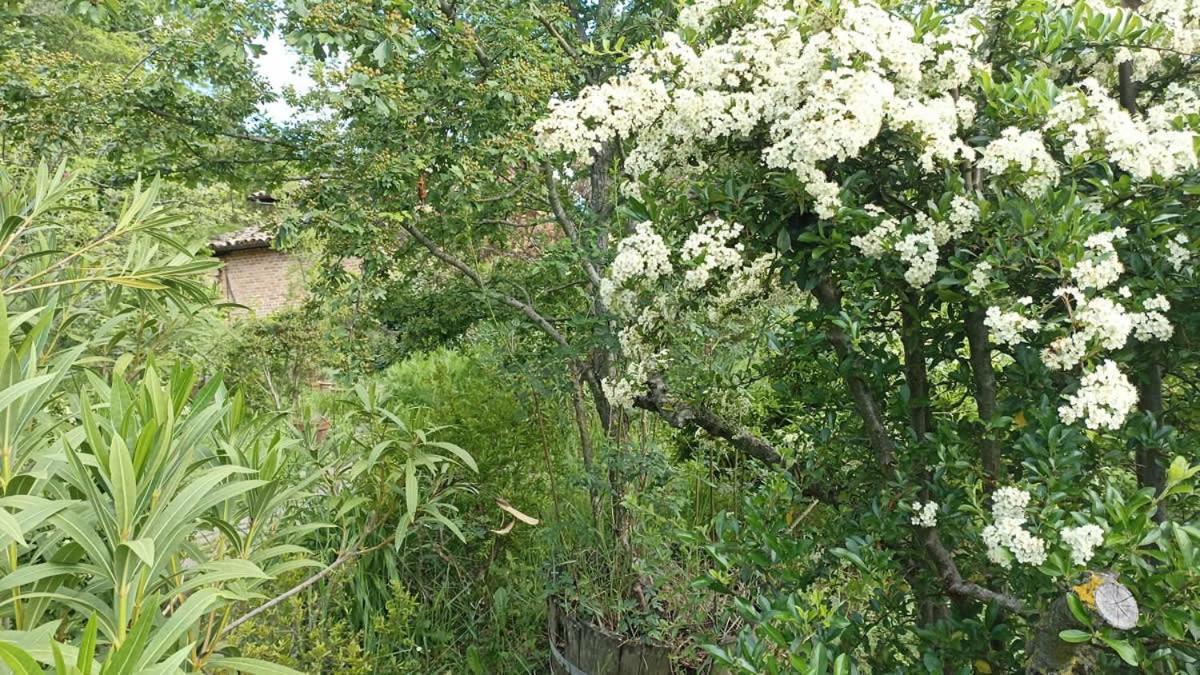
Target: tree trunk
<point>985,396</point>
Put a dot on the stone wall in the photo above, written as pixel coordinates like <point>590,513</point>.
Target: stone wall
<point>262,279</point>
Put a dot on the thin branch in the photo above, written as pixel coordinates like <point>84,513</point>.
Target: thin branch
<point>343,558</point>
<point>955,584</point>
<point>830,298</point>
<point>450,11</point>
<point>469,272</point>
<point>228,134</point>
<point>566,46</point>
<point>568,225</point>
<point>681,415</point>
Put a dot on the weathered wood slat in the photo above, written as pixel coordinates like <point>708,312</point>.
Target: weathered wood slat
<point>578,648</point>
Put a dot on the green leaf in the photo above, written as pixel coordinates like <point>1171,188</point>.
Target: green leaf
<point>14,392</point>
<point>449,524</point>
<point>29,574</point>
<point>182,620</point>
<point>255,666</point>
<point>1126,651</point>
<point>410,485</point>
<point>1078,610</point>
<point>87,648</point>
<point>143,548</point>
<point>457,451</point>
<point>19,660</point>
<point>1074,636</point>
<point>124,484</point>
<point>10,527</point>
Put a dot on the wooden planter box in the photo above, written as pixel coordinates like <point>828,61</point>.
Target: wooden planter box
<point>579,648</point>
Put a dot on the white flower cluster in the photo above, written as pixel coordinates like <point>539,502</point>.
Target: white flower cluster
<point>1178,255</point>
<point>822,85</point>
<point>924,515</point>
<point>642,255</point>
<point>1100,267</point>
<point>878,241</point>
<point>1008,328</point>
<point>961,219</point>
<point>648,287</point>
<point>715,247</point>
<point>1180,18</point>
<point>1152,324</point>
<point>1025,152</point>
<point>1104,399</point>
<point>917,248</point>
<point>919,252</point>
<point>698,15</point>
<point>980,277</point>
<point>1006,538</point>
<point>1145,146</point>
<point>1083,542</point>
<point>1104,321</point>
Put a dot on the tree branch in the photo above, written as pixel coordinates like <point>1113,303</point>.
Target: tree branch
<point>228,134</point>
<point>568,225</point>
<point>681,415</point>
<point>450,11</point>
<point>467,271</point>
<point>953,581</point>
<point>566,46</point>
<point>685,417</point>
<point>830,298</point>
<point>985,394</point>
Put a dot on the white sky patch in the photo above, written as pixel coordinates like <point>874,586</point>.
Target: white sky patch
<point>280,66</point>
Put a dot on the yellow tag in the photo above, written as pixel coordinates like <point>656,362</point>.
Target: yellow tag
<point>1019,419</point>
<point>1086,591</point>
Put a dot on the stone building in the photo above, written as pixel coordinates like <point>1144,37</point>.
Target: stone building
<point>256,275</point>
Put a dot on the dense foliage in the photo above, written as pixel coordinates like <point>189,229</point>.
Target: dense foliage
<point>759,335</point>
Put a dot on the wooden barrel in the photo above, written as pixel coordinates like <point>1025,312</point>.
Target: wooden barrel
<point>579,648</point>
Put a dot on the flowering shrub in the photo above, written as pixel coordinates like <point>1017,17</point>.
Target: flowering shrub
<point>989,204</point>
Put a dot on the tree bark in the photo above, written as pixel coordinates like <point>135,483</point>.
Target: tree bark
<point>1104,599</point>
<point>830,298</point>
<point>953,583</point>
<point>1148,458</point>
<point>916,370</point>
<point>985,396</point>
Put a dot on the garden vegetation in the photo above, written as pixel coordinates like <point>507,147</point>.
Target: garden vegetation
<point>723,336</point>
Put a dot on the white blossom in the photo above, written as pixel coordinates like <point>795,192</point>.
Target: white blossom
<point>1025,152</point>
<point>1178,254</point>
<point>1066,352</point>
<point>1009,503</point>
<point>1006,538</point>
<point>1105,321</point>
<point>980,277</point>
<point>919,252</point>
<point>715,247</point>
<point>1104,399</point>
<point>876,242</point>
<point>1083,542</point>
<point>1145,146</point>
<point>1100,267</point>
<point>642,255</point>
<point>1008,328</point>
<point>924,515</point>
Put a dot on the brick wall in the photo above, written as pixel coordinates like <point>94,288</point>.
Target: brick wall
<point>261,278</point>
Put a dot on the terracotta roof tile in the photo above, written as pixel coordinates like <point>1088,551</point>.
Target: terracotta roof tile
<point>250,237</point>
